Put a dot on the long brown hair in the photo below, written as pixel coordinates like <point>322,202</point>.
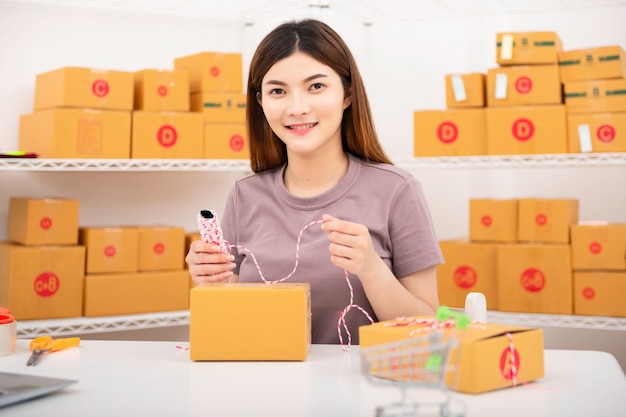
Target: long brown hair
<point>322,43</point>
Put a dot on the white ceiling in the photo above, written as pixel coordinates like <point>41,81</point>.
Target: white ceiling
<point>367,11</point>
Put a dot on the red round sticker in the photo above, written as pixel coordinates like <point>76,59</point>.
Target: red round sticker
<point>509,363</point>
<point>523,85</point>
<point>588,293</point>
<point>158,248</point>
<point>167,136</point>
<point>236,143</point>
<point>533,280</point>
<point>162,90</point>
<point>447,132</point>
<point>465,277</point>
<point>486,220</point>
<point>109,251</point>
<point>100,88</point>
<point>45,223</point>
<point>605,133</point>
<point>595,248</point>
<point>46,284</point>
<point>215,71</point>
<point>541,219</point>
<point>523,129</point>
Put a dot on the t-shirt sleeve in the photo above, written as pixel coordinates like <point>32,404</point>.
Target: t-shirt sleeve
<point>411,231</point>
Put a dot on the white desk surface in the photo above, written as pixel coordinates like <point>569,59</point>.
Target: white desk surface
<point>143,378</point>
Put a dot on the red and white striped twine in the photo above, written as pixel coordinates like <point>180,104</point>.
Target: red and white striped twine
<point>342,316</point>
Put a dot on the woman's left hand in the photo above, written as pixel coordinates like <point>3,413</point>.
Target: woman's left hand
<point>350,246</point>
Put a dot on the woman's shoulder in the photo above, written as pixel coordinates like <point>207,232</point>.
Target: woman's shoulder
<point>384,171</point>
<point>257,178</point>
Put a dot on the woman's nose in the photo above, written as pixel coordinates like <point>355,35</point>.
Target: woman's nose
<point>298,104</point>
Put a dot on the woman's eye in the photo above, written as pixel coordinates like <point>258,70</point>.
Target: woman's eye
<point>317,86</point>
<point>277,91</point>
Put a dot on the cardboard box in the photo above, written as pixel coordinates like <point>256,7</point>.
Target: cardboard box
<point>161,90</point>
<point>465,90</point>
<point>540,129</point>
<point>84,87</point>
<point>493,220</point>
<point>110,249</point>
<point>161,248</point>
<point>42,282</point>
<point>134,293</point>
<point>76,133</point>
<point>593,63</point>
<point>250,322</point>
<point>226,141</point>
<point>597,132</point>
<point>168,135</point>
<point>492,356</point>
<point>469,267</point>
<point>599,247</point>
<point>546,220</point>
<point>524,85</point>
<point>213,71</point>
<point>600,293</point>
<point>220,107</point>
<point>452,132</point>
<point>514,48</point>
<point>595,96</point>
<point>43,221</point>
<point>535,278</point>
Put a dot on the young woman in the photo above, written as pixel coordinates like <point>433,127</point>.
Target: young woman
<point>316,157</point>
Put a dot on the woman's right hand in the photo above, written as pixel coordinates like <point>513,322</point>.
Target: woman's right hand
<point>207,264</point>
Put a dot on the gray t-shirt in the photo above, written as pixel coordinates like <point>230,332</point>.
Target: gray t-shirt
<point>262,216</point>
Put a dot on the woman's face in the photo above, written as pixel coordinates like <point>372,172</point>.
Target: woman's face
<point>303,101</point>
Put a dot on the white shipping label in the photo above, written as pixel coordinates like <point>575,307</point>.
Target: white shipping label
<point>506,47</point>
<point>584,138</point>
<point>458,87</point>
<point>500,91</point>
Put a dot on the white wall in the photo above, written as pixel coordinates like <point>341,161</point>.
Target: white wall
<point>403,62</point>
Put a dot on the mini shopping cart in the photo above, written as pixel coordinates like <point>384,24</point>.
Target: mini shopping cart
<point>423,366</point>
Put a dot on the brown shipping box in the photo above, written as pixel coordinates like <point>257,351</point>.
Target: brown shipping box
<point>492,356</point>
<point>595,96</point>
<point>539,129</point>
<point>226,141</point>
<point>597,132</point>
<point>84,87</point>
<point>213,71</point>
<point>514,48</point>
<point>524,85</point>
<point>469,267</point>
<point>543,220</point>
<point>535,278</point>
<point>135,293</point>
<point>452,132</point>
<point>42,282</point>
<point>167,135</point>
<point>110,249</point>
<point>220,107</point>
<point>600,293</point>
<point>76,133</point>
<point>599,247</point>
<point>593,63</point>
<point>161,90</point>
<point>225,318</point>
<point>161,248</point>
<point>465,90</point>
<point>493,220</point>
<point>43,221</point>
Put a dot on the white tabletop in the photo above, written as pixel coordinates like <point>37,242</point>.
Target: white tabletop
<point>128,378</point>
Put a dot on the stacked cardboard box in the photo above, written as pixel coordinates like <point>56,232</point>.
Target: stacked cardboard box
<point>595,98</point>
<point>79,113</point>
<point>517,254</point>
<point>216,93</point>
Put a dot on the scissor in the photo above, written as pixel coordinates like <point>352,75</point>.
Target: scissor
<point>44,344</point>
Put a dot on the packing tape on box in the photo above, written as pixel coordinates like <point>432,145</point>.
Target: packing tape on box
<point>8,332</point>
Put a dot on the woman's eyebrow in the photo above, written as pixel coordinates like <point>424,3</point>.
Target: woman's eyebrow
<point>306,80</point>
